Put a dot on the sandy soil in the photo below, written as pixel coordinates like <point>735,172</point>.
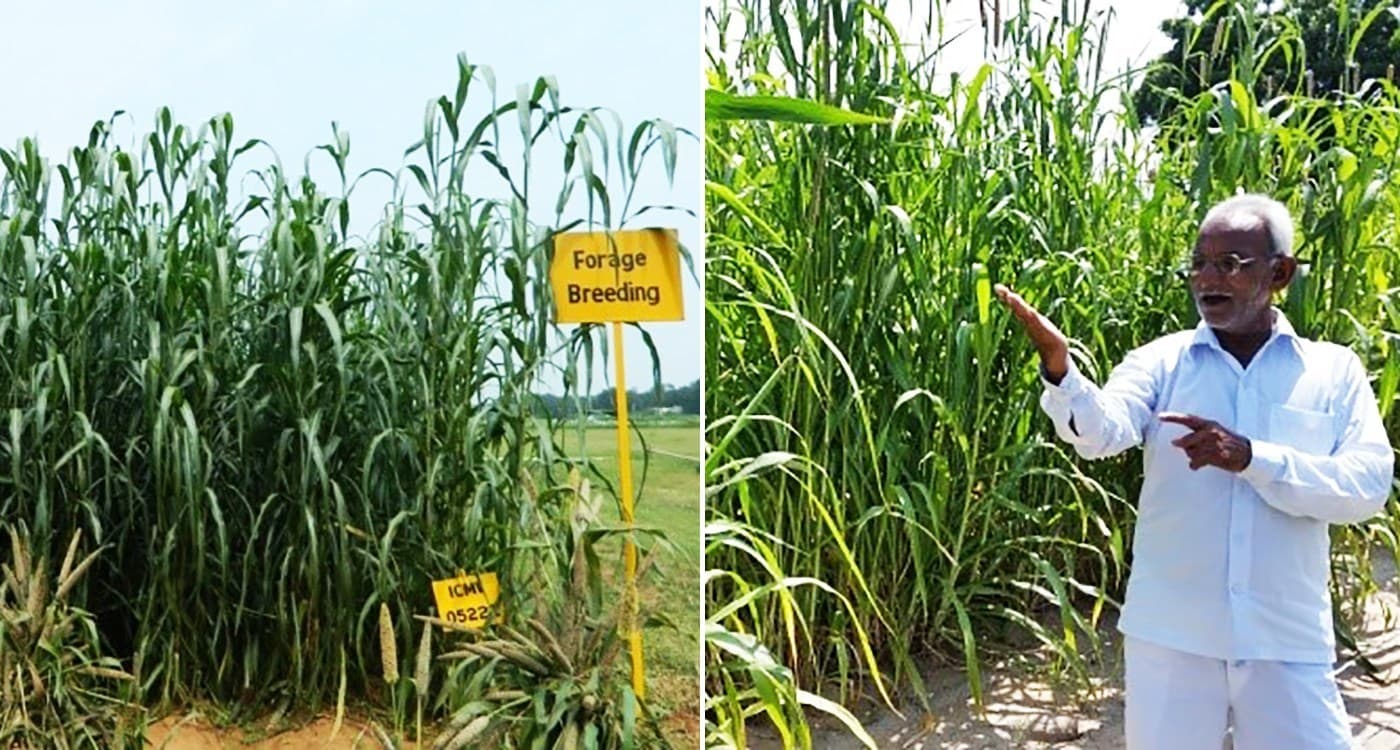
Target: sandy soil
<point>193,732</point>
<point>1024,713</point>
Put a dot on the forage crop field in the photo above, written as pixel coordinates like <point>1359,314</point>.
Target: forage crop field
<point>240,440</point>
<point>882,487</point>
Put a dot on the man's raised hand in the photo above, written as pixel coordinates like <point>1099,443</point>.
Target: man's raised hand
<point>1047,338</point>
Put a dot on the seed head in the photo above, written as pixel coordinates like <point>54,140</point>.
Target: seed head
<point>388,650</point>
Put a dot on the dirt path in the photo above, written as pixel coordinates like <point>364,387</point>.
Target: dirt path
<point>1024,713</point>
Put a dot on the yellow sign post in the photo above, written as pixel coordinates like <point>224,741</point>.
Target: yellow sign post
<point>619,277</point>
<point>469,601</point>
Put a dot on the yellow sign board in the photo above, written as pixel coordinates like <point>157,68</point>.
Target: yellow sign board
<point>628,276</point>
<point>469,601</point>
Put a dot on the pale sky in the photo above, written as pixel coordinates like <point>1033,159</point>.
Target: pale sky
<point>286,70</point>
<point>1134,37</point>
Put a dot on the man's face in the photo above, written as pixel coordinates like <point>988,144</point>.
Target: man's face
<point>1234,278</point>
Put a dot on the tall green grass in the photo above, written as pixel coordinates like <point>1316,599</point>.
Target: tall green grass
<point>872,412</point>
<point>273,425</point>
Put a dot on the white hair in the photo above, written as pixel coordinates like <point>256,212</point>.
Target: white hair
<point>1250,211</point>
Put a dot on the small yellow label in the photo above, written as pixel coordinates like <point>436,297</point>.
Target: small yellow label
<point>629,276</point>
<point>469,601</point>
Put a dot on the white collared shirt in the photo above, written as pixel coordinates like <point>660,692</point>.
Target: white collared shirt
<point>1226,565</point>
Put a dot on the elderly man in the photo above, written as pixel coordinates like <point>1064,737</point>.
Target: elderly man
<point>1255,439</point>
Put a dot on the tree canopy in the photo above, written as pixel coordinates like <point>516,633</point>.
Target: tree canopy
<point>1296,40</point>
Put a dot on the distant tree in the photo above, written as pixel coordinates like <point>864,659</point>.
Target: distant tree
<point>687,397</point>
<point>1207,50</point>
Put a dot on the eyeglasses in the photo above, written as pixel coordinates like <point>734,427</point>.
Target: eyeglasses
<point>1226,265</point>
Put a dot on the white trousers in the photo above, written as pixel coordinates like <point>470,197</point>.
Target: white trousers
<point>1180,701</point>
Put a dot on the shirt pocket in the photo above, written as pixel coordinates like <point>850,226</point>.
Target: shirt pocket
<point>1304,429</point>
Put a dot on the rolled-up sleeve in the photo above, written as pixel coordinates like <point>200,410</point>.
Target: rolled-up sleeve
<point>1348,486</point>
<point>1102,422</point>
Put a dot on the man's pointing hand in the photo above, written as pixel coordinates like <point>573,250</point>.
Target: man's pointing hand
<point>1210,444</point>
